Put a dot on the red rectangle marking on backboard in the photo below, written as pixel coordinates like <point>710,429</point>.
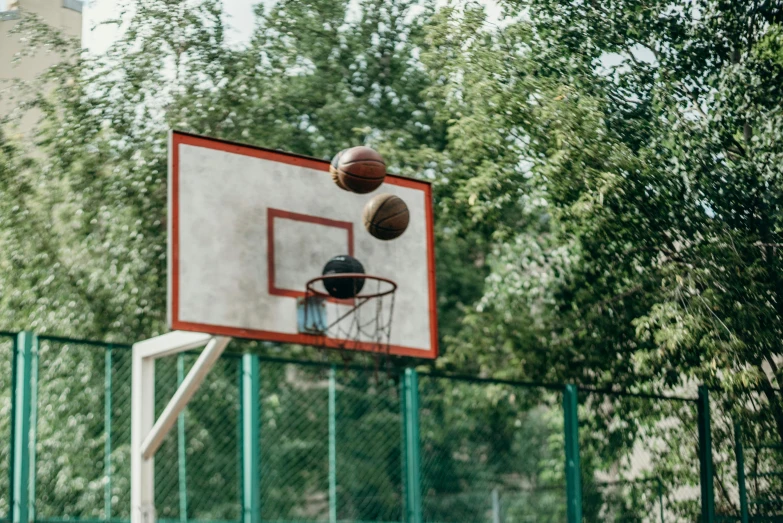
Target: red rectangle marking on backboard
<point>271,216</point>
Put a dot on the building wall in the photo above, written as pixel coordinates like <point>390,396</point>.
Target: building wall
<point>64,15</point>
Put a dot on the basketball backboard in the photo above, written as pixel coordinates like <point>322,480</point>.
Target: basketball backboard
<point>249,227</point>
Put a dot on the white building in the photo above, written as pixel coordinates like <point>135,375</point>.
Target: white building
<point>65,15</point>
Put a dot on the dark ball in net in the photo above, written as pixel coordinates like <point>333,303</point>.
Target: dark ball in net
<point>343,288</point>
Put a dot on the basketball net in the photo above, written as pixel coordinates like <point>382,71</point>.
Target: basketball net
<point>362,323</point>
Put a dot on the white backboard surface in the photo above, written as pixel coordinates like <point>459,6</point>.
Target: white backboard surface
<point>248,227</point>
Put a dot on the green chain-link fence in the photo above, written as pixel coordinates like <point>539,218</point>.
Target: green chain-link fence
<point>748,442</point>
<point>267,439</point>
<point>491,450</point>
<point>640,457</point>
<point>330,444</point>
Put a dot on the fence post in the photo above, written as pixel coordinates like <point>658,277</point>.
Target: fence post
<point>24,361</point>
<point>332,446</point>
<point>573,468</point>
<point>107,407</point>
<point>705,457</point>
<point>182,472</point>
<point>33,430</point>
<point>495,506</point>
<point>743,493</point>
<point>411,442</point>
<point>251,428</point>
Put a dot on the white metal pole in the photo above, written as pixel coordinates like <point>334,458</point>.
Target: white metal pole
<point>146,434</point>
<point>142,420</point>
<point>495,506</point>
<point>190,385</point>
<point>171,343</point>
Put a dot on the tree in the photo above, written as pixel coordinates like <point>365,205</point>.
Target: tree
<point>650,256</point>
<point>611,225</point>
<point>304,87</point>
<point>84,225</point>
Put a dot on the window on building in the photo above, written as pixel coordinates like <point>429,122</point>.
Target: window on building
<point>75,5</point>
<point>9,9</point>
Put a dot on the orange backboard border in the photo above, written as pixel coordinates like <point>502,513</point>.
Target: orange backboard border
<point>177,138</point>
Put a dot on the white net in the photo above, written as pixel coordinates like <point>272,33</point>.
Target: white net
<point>361,323</point>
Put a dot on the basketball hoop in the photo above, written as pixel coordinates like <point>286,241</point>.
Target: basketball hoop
<point>362,322</point>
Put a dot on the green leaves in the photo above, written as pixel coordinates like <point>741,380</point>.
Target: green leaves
<point>313,80</point>
<point>630,212</point>
<point>607,177</point>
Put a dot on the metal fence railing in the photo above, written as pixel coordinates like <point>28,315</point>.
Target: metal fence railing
<point>344,443</point>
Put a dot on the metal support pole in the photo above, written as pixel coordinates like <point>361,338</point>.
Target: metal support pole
<point>251,426</point>
<point>148,434</point>
<point>107,376</point>
<point>705,458</point>
<point>495,506</point>
<point>26,351</point>
<point>181,457</point>
<point>332,446</point>
<point>204,363</point>
<point>411,442</point>
<point>740,454</point>
<point>142,420</point>
<point>572,465</point>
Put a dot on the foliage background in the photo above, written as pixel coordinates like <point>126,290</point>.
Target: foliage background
<point>607,179</point>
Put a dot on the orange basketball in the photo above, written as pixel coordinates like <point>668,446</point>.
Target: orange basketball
<point>361,169</point>
<point>386,216</point>
<point>334,173</point>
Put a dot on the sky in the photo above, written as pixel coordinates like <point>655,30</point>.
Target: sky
<point>239,17</point>
<point>98,38</point>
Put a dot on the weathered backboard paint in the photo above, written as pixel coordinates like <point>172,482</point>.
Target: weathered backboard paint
<point>248,227</point>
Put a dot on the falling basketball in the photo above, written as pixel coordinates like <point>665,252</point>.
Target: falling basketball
<point>386,216</point>
<point>360,169</point>
<point>334,173</point>
<point>343,288</point>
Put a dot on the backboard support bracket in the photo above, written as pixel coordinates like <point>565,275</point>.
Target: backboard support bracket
<point>147,433</point>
